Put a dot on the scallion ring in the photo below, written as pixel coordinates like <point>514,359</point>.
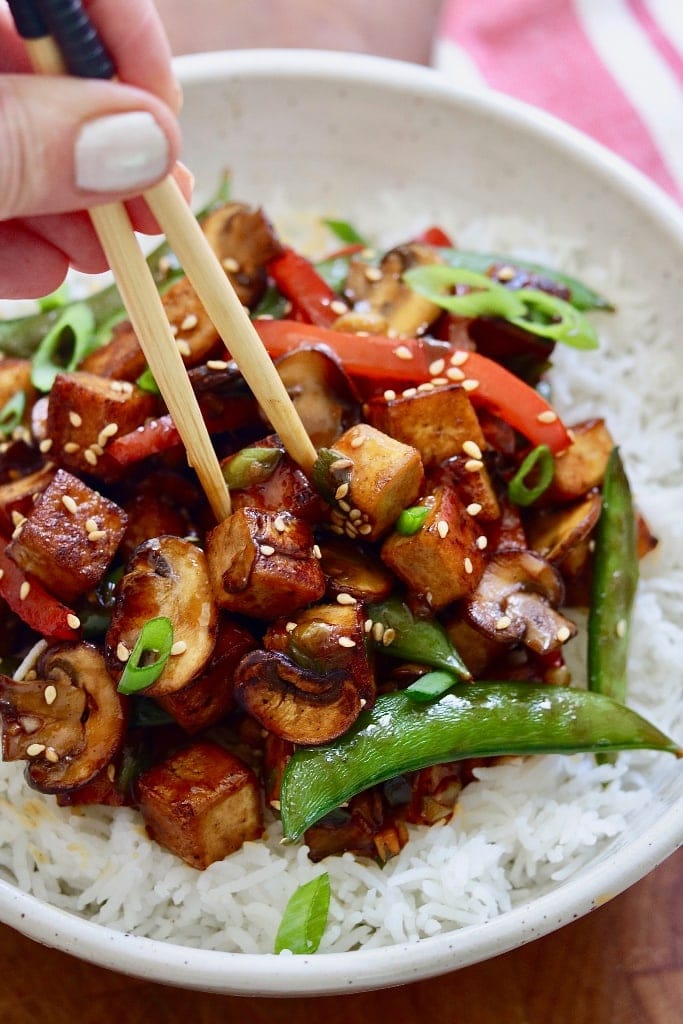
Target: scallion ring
<point>552,317</point>
<point>155,641</point>
<point>67,342</point>
<point>485,296</point>
<point>411,520</point>
<point>147,382</point>
<point>538,463</point>
<point>12,413</point>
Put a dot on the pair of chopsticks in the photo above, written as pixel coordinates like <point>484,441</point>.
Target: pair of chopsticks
<point>60,39</point>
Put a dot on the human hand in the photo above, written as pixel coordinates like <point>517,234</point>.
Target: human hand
<point>72,143</point>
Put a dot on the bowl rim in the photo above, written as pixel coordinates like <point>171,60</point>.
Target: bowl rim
<point>329,973</point>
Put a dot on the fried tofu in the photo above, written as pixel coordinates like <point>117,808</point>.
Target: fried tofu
<point>263,563</point>
<point>202,803</point>
<point>70,537</point>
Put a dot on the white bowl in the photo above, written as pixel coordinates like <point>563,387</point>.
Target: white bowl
<point>337,134</point>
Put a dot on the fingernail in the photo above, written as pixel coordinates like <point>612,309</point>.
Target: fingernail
<point>119,152</point>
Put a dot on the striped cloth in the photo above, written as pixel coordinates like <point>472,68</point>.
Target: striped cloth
<point>613,68</point>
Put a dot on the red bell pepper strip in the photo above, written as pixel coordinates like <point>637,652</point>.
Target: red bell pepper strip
<point>410,361</point>
<point>37,608</point>
<point>435,236</point>
<point>300,282</point>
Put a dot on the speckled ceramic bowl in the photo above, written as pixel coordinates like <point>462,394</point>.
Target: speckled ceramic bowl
<point>340,134</point>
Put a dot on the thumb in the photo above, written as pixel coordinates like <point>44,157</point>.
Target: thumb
<point>72,143</point>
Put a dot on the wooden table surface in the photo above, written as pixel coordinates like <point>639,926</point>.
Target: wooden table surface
<point>622,964</point>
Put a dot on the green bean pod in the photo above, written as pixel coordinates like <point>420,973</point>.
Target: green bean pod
<point>615,578</point>
<point>472,720</point>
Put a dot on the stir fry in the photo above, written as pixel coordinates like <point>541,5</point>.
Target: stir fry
<point>343,650</point>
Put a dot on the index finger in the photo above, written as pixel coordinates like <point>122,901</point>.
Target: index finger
<point>135,38</point>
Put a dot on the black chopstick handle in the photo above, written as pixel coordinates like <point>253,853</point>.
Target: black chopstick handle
<point>27,19</point>
<point>76,37</point>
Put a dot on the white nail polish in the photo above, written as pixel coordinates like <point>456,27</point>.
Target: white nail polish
<point>119,152</point>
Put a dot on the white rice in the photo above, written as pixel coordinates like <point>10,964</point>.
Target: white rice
<point>522,827</point>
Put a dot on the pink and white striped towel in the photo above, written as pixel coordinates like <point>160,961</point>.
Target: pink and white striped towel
<point>613,68</point>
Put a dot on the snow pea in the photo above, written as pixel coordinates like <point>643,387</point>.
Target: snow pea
<point>489,719</point>
<point>615,578</point>
<point>422,640</point>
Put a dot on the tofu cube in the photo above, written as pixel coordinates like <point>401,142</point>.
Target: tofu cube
<point>202,803</point>
<point>436,422</point>
<point>440,562</point>
<point>85,412</point>
<point>263,564</point>
<point>383,476</point>
<point>69,538</point>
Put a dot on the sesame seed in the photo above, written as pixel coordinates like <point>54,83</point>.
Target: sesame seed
<point>437,367</point>
<point>547,417</point>
<point>90,457</point>
<point>50,694</point>
<point>503,622</point>
<point>389,395</point>
<point>2,573</point>
<point>317,553</point>
<point>179,647</point>
<point>97,449</point>
<point>69,503</point>
<point>367,626</point>
<point>217,364</point>
<point>230,264</point>
<point>409,393</point>
<point>266,549</point>
<point>403,352</point>
<point>344,506</point>
<point>473,509</point>
<point>505,274</point>
<point>73,621</point>
<point>482,542</point>
<point>18,528</point>
<point>290,627</point>
<point>96,535</point>
<point>341,491</point>
<point>111,772</point>
<point>346,641</point>
<point>365,530</point>
<point>439,381</point>
<point>17,517</point>
<point>189,323</point>
<point>183,347</point>
<point>35,749</point>
<point>346,599</point>
<point>388,636</point>
<point>355,515</point>
<point>339,464</point>
<point>339,530</point>
<point>378,631</point>
<point>279,524</point>
<point>474,465</point>
<point>470,385</point>
<point>51,755</point>
<point>350,530</point>
<point>453,373</point>
<point>339,307</point>
<point>122,652</point>
<point>24,590</point>
<point>427,386</point>
<point>459,357</point>
<point>373,274</point>
<point>70,447</point>
<point>173,329</point>
<point>621,628</point>
<point>563,633</point>
<point>75,420</point>
<point>469,568</point>
<point>442,528</point>
<point>472,448</point>
<point>45,445</point>
<point>90,525</point>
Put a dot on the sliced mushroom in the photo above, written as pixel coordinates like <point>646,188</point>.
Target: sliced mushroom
<point>321,392</point>
<point>167,576</point>
<point>516,600</point>
<point>244,241</point>
<point>554,534</point>
<point>353,571</point>
<point>296,704</point>
<point>69,721</point>
<point>381,291</point>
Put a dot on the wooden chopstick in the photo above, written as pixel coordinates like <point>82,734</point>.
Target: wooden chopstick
<point>195,254</point>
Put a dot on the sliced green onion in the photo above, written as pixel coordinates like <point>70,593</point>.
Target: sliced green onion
<point>56,299</point>
<point>529,308</point>
<point>147,382</point>
<point>430,685</point>
<point>155,640</point>
<point>411,520</point>
<point>305,918</point>
<point>345,232</point>
<point>67,342</point>
<point>486,297</point>
<point>12,413</point>
<point>251,466</point>
<point>541,465</point>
